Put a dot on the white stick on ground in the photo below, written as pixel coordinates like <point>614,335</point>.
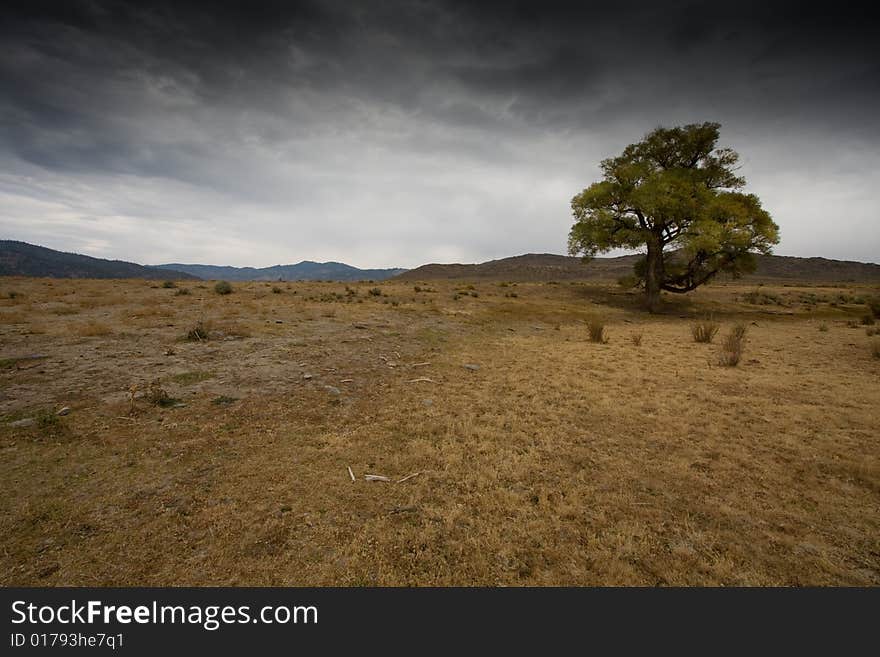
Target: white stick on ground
<point>372,477</point>
<point>422,379</point>
<point>350,473</point>
<point>409,476</point>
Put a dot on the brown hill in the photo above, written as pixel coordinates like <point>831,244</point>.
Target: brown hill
<point>549,267</point>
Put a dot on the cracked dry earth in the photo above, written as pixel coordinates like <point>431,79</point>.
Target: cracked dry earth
<point>533,456</point>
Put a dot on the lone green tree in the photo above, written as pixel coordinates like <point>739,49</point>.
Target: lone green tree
<point>676,195</point>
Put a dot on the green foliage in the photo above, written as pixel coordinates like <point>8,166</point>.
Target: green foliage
<point>674,190</point>
<point>223,287</point>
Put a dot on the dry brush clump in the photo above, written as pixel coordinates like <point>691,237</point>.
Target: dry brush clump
<point>875,349</point>
<point>704,330</point>
<point>223,287</point>
<point>596,330</point>
<point>732,346</point>
<point>636,339</point>
<point>198,333</point>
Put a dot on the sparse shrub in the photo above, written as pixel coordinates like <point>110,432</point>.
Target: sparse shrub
<point>636,339</point>
<point>852,324</point>
<point>596,329</point>
<point>169,285</point>
<point>874,306</point>
<point>12,294</point>
<point>47,419</point>
<point>417,289</point>
<point>872,331</point>
<point>276,290</point>
<point>628,282</point>
<point>182,292</point>
<point>511,295</point>
<point>503,284</point>
<point>375,292</point>
<point>732,347</point>
<point>475,294</point>
<point>868,320</point>
<point>198,333</point>
<point>875,348</point>
<point>224,400</point>
<point>758,297</point>
<point>223,287</point>
<point>823,327</point>
<point>704,330</point>
<point>157,395</point>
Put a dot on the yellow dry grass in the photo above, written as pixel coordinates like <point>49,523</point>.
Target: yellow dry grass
<point>555,461</point>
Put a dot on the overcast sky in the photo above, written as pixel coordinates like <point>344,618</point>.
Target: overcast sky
<point>400,133</point>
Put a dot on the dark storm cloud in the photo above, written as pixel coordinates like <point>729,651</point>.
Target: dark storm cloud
<point>431,127</point>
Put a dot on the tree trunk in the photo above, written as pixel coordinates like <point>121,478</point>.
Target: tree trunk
<point>653,275</point>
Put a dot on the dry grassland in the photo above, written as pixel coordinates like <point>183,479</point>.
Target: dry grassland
<point>555,461</point>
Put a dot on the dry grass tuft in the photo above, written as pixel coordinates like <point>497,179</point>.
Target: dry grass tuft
<point>92,328</point>
<point>198,333</point>
<point>704,330</point>
<point>596,329</point>
<point>732,347</point>
<point>636,339</point>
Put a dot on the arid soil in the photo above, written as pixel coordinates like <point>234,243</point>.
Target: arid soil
<point>543,458</point>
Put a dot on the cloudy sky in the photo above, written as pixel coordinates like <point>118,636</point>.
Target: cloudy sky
<point>399,133</point>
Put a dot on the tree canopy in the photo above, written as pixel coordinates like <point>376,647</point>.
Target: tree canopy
<point>677,195</point>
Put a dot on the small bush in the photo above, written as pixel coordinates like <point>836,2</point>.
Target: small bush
<point>732,347</point>
<point>868,320</point>
<point>636,339</point>
<point>511,295</point>
<point>704,330</point>
<point>869,331</point>
<point>157,396</point>
<point>875,348</point>
<point>169,285</point>
<point>198,333</point>
<point>375,292</point>
<point>874,306</point>
<point>596,329</point>
<point>823,327</point>
<point>182,292</point>
<point>276,290</point>
<point>223,287</point>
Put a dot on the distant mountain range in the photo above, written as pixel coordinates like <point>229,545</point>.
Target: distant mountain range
<point>22,259</point>
<point>549,267</point>
<point>303,271</point>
